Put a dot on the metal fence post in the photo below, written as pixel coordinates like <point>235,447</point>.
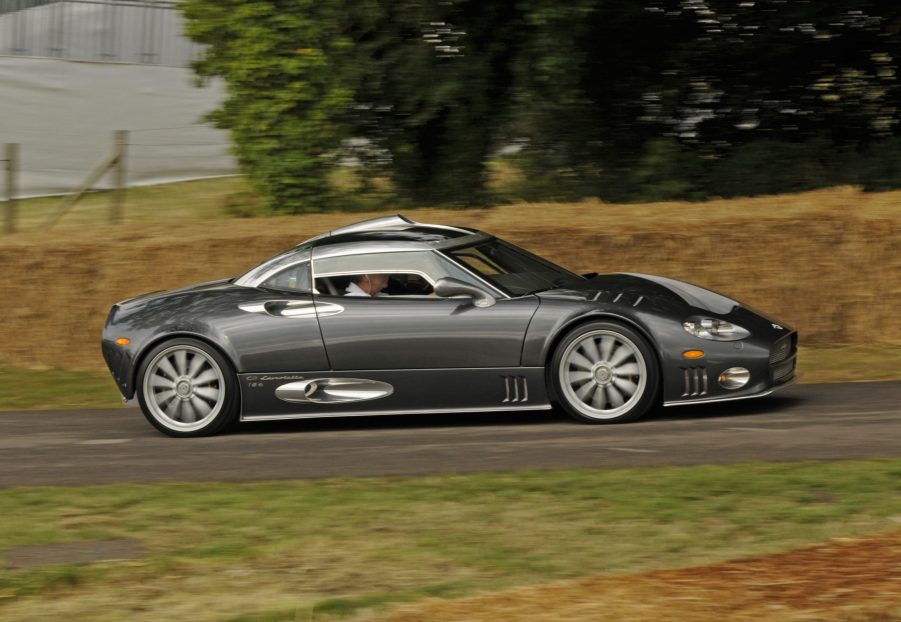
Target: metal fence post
<point>117,208</point>
<point>12,169</point>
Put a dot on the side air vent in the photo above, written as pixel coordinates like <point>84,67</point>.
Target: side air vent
<point>516,389</point>
<point>627,299</point>
<point>695,381</point>
<point>333,390</point>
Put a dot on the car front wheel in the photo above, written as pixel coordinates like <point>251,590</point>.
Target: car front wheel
<point>605,372</point>
<point>186,388</point>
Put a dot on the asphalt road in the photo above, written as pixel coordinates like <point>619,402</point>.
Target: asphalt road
<point>804,422</point>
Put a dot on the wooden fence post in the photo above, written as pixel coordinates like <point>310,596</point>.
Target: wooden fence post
<point>115,161</point>
<point>12,169</point>
<point>117,209</point>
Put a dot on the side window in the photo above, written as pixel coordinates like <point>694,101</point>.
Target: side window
<point>410,273</point>
<point>408,285</point>
<point>293,278</point>
<point>395,284</point>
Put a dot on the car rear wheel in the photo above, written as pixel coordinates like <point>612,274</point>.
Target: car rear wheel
<point>186,388</point>
<point>605,372</point>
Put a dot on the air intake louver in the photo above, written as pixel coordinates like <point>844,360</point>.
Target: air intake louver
<point>783,370</point>
<point>781,350</point>
<point>695,381</point>
<point>516,389</point>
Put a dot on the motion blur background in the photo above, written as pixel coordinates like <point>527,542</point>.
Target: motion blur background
<point>74,72</point>
<point>458,102</point>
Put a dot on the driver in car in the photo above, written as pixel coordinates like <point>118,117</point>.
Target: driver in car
<point>369,285</point>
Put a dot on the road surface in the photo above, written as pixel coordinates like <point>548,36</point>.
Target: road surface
<point>804,422</point>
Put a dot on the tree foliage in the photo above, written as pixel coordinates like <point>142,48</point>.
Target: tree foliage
<point>286,67</point>
<point>691,98</point>
<point>627,101</point>
<point>424,86</point>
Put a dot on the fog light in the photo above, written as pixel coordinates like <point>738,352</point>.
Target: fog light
<point>734,378</point>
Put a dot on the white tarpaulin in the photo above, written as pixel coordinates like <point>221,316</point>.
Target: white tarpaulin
<point>63,113</point>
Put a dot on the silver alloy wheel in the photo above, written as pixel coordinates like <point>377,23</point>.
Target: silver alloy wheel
<point>184,388</point>
<point>603,374</point>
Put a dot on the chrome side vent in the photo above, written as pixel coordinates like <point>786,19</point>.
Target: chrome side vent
<point>333,390</point>
<point>516,389</point>
<point>695,381</point>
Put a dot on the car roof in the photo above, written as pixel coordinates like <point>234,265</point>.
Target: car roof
<point>390,233</point>
<point>377,235</point>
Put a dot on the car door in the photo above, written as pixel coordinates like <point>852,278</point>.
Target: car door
<point>416,332</point>
<point>279,331</point>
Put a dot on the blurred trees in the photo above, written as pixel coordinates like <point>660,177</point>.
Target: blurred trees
<point>287,74</point>
<point>434,91</point>
<point>627,101</point>
<point>693,98</point>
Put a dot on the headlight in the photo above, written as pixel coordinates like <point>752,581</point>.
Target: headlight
<point>711,328</point>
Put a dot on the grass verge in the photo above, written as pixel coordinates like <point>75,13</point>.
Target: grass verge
<point>188,201</point>
<point>850,363</point>
<point>40,389</point>
<point>184,202</point>
<point>341,548</point>
<point>62,388</point>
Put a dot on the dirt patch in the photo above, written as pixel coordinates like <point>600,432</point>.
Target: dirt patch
<point>825,262</point>
<point>847,580</point>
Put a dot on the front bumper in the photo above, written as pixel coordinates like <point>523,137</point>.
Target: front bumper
<point>772,367</point>
<point>732,398</point>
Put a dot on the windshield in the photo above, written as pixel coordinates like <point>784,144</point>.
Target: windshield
<point>511,269</point>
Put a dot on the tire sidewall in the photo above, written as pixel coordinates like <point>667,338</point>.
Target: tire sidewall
<point>652,371</point>
<point>228,413</point>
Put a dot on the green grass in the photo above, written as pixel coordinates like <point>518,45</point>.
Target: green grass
<point>287,550</point>
<point>61,388</point>
<point>850,363</point>
<point>56,388</point>
<point>188,201</point>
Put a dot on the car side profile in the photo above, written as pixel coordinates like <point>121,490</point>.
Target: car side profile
<point>466,322</point>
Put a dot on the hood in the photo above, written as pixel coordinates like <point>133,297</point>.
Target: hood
<point>646,285</point>
<point>190,289</point>
<point>693,295</point>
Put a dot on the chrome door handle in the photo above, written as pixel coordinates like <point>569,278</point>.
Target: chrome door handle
<point>299,309</point>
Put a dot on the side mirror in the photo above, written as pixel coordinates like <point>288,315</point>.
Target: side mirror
<point>448,287</point>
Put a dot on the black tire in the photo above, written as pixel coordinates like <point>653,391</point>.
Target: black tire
<point>614,381</point>
<point>187,388</point>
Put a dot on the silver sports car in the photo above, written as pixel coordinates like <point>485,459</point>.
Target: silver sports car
<point>389,316</point>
